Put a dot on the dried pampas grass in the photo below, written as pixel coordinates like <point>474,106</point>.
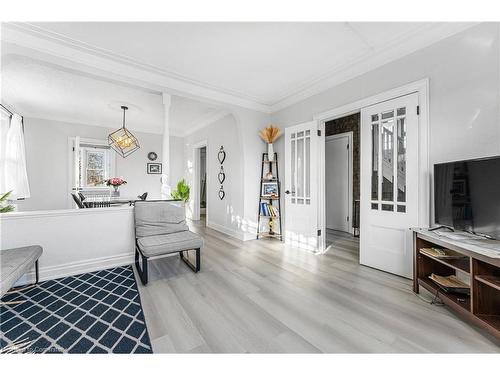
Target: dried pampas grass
<point>270,134</point>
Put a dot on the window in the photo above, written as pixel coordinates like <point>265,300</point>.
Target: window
<point>95,162</point>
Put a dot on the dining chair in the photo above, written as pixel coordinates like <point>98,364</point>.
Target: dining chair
<point>82,198</point>
<point>77,200</point>
<point>99,204</point>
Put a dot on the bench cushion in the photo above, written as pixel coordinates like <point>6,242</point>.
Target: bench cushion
<point>156,218</point>
<point>169,243</point>
<point>15,263</point>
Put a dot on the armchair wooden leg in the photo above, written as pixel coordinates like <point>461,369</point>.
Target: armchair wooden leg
<point>196,267</point>
<point>143,273</point>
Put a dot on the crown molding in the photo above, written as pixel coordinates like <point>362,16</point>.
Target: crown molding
<point>419,39</point>
<point>71,54</point>
<point>110,66</point>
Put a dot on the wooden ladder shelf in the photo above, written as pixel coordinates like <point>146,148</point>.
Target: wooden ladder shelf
<point>271,201</point>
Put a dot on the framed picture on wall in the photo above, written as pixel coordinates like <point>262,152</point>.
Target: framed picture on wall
<point>154,168</point>
<point>269,189</point>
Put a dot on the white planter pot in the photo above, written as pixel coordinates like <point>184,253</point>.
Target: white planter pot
<point>270,152</point>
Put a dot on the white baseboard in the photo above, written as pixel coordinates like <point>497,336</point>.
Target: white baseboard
<point>76,268</point>
<point>243,236</point>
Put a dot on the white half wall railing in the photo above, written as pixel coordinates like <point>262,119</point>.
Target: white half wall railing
<point>73,241</point>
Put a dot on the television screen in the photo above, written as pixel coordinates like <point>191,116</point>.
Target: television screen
<point>467,195</point>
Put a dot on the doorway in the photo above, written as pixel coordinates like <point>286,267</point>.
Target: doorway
<point>203,184</point>
<point>200,182</point>
<point>342,177</point>
<point>394,174</point>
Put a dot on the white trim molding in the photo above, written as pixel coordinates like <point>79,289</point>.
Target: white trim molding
<point>77,268</point>
<point>238,234</point>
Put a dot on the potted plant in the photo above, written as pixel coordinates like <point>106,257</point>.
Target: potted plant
<point>116,182</point>
<point>270,134</point>
<point>182,191</point>
<point>4,206</point>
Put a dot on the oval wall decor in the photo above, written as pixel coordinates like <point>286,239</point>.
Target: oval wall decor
<point>222,194</point>
<point>221,176</point>
<point>221,155</point>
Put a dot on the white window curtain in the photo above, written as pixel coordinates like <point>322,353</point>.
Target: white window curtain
<point>15,176</point>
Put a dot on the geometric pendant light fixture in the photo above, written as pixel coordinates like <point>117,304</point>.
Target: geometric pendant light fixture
<point>122,140</point>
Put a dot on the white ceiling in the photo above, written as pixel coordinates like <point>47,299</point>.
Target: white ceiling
<point>40,90</point>
<point>266,63</point>
<point>83,72</point>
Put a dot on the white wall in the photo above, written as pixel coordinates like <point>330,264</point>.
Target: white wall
<point>225,215</point>
<point>74,241</point>
<point>176,160</point>
<point>249,123</point>
<point>464,93</point>
<point>47,162</point>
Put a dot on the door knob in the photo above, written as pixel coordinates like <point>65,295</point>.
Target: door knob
<point>288,192</point>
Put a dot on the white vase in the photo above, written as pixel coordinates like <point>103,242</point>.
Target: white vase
<point>270,152</point>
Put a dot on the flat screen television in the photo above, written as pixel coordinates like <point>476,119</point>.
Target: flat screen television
<point>467,195</point>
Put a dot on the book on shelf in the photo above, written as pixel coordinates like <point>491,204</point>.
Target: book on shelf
<point>268,210</point>
<point>442,253</point>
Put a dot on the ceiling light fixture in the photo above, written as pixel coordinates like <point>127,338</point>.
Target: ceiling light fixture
<point>122,140</point>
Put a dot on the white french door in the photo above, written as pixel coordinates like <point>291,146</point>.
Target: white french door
<point>301,186</point>
<point>389,184</point>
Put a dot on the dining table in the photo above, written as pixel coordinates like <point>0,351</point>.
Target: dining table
<point>104,200</point>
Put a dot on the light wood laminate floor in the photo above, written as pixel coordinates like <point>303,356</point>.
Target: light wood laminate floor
<point>262,296</point>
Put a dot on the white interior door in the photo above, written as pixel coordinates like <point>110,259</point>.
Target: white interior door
<point>389,184</point>
<point>337,179</point>
<point>301,186</point>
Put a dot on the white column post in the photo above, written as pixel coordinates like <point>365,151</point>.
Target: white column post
<point>165,176</point>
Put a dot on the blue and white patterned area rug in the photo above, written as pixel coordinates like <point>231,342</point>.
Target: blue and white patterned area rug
<point>97,312</point>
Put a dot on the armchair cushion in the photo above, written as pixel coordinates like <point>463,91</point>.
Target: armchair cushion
<point>158,218</point>
<point>169,243</point>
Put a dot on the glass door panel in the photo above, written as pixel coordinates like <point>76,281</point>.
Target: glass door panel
<point>388,164</point>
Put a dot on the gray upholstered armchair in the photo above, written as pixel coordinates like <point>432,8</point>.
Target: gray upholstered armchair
<point>160,230</point>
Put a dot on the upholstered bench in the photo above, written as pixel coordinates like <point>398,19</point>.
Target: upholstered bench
<point>160,230</point>
<point>14,263</point>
